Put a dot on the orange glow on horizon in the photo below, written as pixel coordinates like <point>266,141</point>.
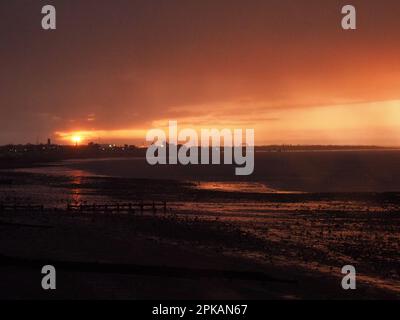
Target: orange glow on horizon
<point>76,139</point>
<point>107,136</point>
<point>358,123</point>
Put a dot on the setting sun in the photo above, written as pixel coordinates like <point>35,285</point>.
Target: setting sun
<point>76,139</point>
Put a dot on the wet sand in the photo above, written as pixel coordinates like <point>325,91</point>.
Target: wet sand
<point>153,258</point>
<point>296,243</point>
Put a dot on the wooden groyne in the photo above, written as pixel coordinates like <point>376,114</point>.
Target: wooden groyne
<point>18,207</point>
<point>128,208</point>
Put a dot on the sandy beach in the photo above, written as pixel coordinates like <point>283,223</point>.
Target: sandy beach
<point>146,257</point>
<point>211,243</point>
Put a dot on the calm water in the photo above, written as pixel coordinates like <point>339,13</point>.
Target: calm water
<point>340,171</point>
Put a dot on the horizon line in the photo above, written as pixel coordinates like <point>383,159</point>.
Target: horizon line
<point>256,146</point>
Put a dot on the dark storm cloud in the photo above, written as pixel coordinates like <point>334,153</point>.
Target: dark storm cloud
<point>124,63</point>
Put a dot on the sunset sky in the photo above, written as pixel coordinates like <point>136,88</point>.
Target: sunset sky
<point>115,68</point>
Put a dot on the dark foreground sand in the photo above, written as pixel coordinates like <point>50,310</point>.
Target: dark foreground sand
<point>149,257</point>
<point>210,244</point>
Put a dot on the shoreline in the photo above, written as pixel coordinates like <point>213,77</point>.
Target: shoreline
<point>306,236</point>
